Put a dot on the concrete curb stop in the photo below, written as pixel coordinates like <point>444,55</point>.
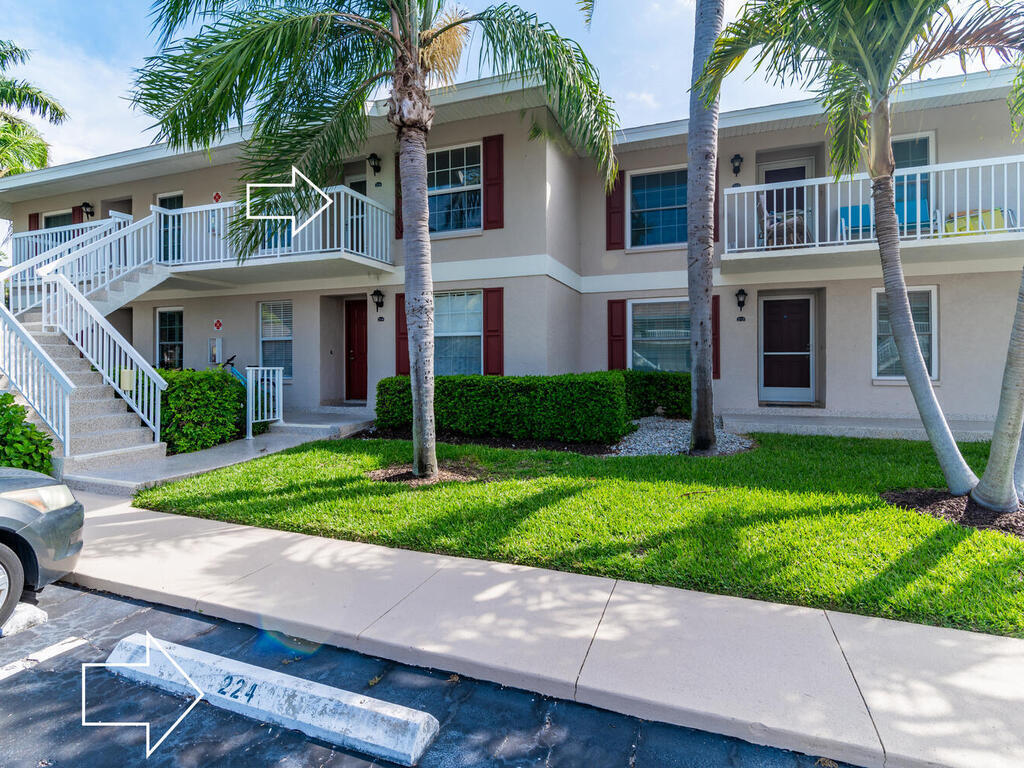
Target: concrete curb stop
<point>349,720</point>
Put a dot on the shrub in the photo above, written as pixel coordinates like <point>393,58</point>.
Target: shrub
<point>201,409</point>
<point>646,391</point>
<point>573,408</point>
<point>22,444</point>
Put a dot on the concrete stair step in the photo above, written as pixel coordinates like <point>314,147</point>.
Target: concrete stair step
<point>98,391</point>
<point>107,406</point>
<point>84,377</point>
<point>108,440</point>
<point>83,462</point>
<point>97,422</point>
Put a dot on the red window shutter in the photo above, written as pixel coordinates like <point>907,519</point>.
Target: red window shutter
<point>401,337</point>
<point>399,226</point>
<point>615,215</point>
<point>494,182</point>
<point>494,330</point>
<point>77,215</point>
<point>33,221</point>
<point>716,338</point>
<point>616,334</point>
<point>716,219</point>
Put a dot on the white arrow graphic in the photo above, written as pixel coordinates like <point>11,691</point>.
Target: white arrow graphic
<point>144,664</point>
<point>296,175</point>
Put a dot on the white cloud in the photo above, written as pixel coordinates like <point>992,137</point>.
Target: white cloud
<point>94,93</point>
<point>643,98</point>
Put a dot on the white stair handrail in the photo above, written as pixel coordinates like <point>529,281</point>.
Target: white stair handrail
<point>42,240</point>
<point>120,364</point>
<point>264,396</point>
<point>31,371</point>
<point>21,283</point>
<point>98,264</point>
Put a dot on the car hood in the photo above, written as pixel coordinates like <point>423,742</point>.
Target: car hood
<point>16,479</point>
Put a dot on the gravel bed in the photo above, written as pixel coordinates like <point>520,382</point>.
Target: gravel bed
<point>658,436</point>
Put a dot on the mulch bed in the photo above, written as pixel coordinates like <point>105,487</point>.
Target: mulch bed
<point>448,471</point>
<point>587,449</point>
<point>958,509</point>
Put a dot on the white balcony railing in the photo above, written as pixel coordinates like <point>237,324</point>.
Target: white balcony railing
<point>28,245</point>
<point>933,202</point>
<point>354,224</point>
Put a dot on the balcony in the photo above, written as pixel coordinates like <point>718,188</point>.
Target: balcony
<point>28,245</point>
<point>965,204</point>
<point>354,226</point>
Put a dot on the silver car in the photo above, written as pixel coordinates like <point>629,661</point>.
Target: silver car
<point>40,534</point>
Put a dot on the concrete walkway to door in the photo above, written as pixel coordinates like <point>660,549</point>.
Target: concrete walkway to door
<point>865,691</point>
<point>298,427</point>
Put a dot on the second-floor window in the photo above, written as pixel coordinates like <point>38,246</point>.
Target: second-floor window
<point>454,187</point>
<point>276,335</point>
<point>657,208</point>
<point>51,220</point>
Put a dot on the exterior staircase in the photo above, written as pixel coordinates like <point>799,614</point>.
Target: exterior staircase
<point>79,379</point>
<point>103,430</point>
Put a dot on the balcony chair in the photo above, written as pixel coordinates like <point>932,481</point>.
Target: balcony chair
<point>780,228</point>
<point>856,222</point>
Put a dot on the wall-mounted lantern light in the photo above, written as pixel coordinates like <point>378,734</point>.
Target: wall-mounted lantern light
<point>737,164</point>
<point>88,210</point>
<point>378,299</point>
<point>374,161</point>
<point>741,300</point>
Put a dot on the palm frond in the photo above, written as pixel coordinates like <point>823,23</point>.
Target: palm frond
<point>516,44</point>
<point>847,105</point>
<point>198,88</point>
<point>1016,98</point>
<point>982,31</point>
<point>11,54</point>
<point>22,148</point>
<point>21,95</point>
<point>587,8</point>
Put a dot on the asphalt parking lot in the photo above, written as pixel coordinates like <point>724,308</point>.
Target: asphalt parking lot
<point>482,725</point>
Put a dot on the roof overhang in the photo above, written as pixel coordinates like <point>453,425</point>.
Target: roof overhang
<point>925,94</point>
<point>478,98</point>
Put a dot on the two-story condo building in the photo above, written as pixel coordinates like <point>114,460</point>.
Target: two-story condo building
<point>122,260</point>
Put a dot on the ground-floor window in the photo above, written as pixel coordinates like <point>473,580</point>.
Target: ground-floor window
<point>170,338</point>
<point>659,335</point>
<point>276,335</point>
<point>458,333</point>
<point>923,309</point>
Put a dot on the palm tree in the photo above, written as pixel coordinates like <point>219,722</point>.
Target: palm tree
<point>301,72</point>
<point>22,148</point>
<point>856,54</point>
<point>702,168</point>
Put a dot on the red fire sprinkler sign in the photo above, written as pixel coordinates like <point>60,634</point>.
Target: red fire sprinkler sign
<point>217,325</point>
<point>217,197</point>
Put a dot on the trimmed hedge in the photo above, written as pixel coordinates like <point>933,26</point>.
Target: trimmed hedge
<point>22,444</point>
<point>201,409</point>
<point>646,391</point>
<point>572,408</point>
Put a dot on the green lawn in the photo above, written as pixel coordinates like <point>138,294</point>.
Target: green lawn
<point>796,521</point>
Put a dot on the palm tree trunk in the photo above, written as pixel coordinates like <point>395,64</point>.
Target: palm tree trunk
<point>702,162</point>
<point>959,477</point>
<point>419,297</point>
<point>997,489</point>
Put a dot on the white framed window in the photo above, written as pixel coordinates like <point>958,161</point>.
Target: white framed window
<point>885,358</point>
<point>455,188</point>
<point>276,335</point>
<point>658,334</point>
<point>170,338</point>
<point>911,150</point>
<point>656,207</point>
<point>55,219</point>
<point>458,333</point>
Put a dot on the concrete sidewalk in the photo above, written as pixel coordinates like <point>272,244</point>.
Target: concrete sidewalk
<point>865,691</point>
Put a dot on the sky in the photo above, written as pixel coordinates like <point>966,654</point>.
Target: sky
<point>84,53</point>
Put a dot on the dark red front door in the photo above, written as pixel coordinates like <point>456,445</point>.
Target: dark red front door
<point>355,350</point>
<point>787,198</point>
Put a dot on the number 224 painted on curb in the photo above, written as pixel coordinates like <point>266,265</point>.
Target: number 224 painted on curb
<point>238,684</point>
